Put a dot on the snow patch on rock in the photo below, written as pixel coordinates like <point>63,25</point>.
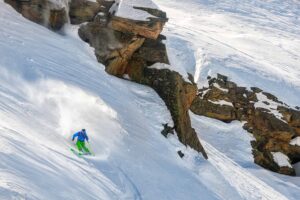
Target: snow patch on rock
<point>264,102</point>
<point>281,159</point>
<point>127,9</point>
<point>222,103</point>
<point>295,141</point>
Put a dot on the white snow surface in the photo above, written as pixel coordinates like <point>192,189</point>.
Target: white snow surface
<point>253,42</point>
<point>222,102</point>
<point>220,88</point>
<point>128,9</point>
<point>281,159</point>
<point>51,85</point>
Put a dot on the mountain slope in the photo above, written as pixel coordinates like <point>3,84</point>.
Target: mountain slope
<point>51,85</point>
<point>255,43</point>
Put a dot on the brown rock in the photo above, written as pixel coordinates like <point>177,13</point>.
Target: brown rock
<point>271,133</point>
<point>269,124</point>
<point>83,11</point>
<point>117,66</point>
<point>57,18</point>
<point>148,29</point>
<point>43,12</point>
<point>291,116</point>
<point>177,95</point>
<point>153,51</point>
<point>206,108</point>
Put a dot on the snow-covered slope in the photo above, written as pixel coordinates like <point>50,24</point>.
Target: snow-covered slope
<point>51,85</point>
<point>255,43</point>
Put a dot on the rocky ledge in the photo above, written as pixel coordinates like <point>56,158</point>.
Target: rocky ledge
<point>274,125</point>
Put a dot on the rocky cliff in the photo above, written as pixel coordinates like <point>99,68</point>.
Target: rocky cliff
<point>129,47</point>
<point>274,125</point>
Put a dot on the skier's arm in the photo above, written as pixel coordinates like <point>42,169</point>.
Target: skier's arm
<point>74,136</point>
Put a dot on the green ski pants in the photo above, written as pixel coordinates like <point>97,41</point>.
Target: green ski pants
<point>81,145</point>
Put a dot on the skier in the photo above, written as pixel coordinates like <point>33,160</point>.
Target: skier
<point>82,136</point>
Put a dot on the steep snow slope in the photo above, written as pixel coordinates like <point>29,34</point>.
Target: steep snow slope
<point>255,43</point>
<point>50,86</point>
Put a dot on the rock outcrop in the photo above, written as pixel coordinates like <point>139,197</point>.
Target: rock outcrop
<point>129,47</point>
<point>43,12</point>
<point>273,124</point>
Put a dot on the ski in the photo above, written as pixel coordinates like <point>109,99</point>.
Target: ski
<point>79,154</point>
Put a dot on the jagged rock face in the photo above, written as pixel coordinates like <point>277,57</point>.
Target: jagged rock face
<point>112,48</point>
<point>292,117</point>
<point>43,12</point>
<point>273,132</point>
<point>171,87</point>
<point>178,96</point>
<point>153,51</point>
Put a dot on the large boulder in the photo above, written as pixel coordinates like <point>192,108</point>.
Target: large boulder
<point>112,48</point>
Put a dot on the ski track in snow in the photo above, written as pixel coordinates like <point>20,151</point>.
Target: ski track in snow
<point>249,186</point>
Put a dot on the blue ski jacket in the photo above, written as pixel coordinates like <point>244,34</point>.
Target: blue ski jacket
<point>81,136</point>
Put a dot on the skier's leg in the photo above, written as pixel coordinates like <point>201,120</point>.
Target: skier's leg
<point>85,148</point>
<point>79,145</point>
